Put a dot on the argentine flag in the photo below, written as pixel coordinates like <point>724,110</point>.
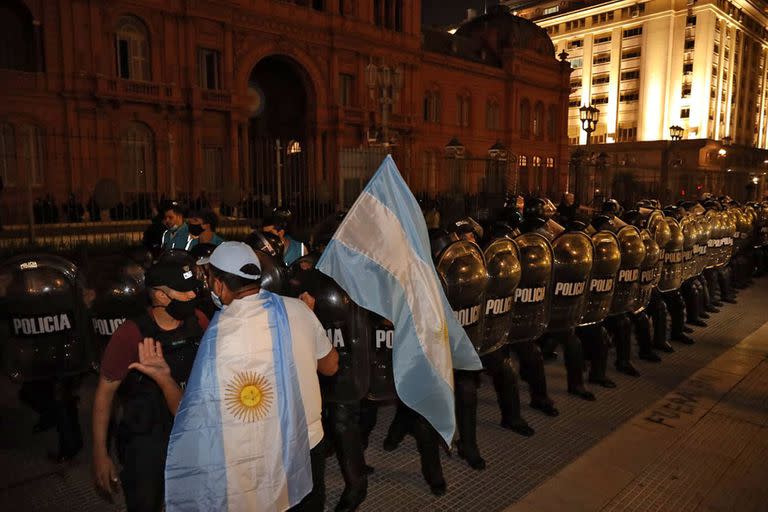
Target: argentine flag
<point>380,255</point>
<point>240,437</point>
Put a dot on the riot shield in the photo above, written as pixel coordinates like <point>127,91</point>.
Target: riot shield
<point>602,282</point>
<point>503,264</point>
<point>573,254</point>
<point>690,234</point>
<point>672,270</point>
<point>627,293</point>
<point>116,286</point>
<point>347,327</point>
<point>530,310</point>
<point>43,321</point>
<point>702,244</point>
<point>382,382</point>
<point>464,277</point>
<point>649,271</point>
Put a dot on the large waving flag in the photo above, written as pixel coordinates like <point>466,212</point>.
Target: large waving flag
<point>240,437</point>
<point>380,255</point>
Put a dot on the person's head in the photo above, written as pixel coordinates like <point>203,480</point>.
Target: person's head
<point>277,225</point>
<point>171,286</point>
<point>204,220</point>
<point>173,215</point>
<point>234,272</point>
<point>468,229</point>
<point>568,199</point>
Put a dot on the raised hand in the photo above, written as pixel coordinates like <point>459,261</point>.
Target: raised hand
<point>151,360</point>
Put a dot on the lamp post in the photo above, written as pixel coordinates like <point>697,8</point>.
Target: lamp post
<point>675,134</point>
<point>589,116</point>
<point>722,155</point>
<point>388,83</point>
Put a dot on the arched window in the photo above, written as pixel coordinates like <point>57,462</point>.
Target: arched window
<point>138,158</point>
<point>551,120</point>
<point>432,106</point>
<point>17,38</point>
<point>132,49</point>
<point>525,118</point>
<point>8,167</point>
<point>492,115</point>
<point>463,107</point>
<point>31,153</point>
<point>538,120</point>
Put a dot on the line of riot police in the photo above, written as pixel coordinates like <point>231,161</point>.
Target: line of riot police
<point>521,285</point>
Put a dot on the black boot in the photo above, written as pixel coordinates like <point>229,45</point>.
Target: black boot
<point>621,331</point>
<point>349,453</point>
<point>465,383</point>
<point>574,365</point>
<point>595,343</point>
<point>428,444</point>
<point>659,315</point>
<point>398,428</point>
<point>532,371</point>
<point>68,419</point>
<point>502,370</point>
<point>642,325</point>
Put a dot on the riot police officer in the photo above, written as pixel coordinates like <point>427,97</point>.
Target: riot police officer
<point>532,303</point>
<point>672,276</point>
<point>42,306</point>
<point>463,273</point>
<point>145,425</point>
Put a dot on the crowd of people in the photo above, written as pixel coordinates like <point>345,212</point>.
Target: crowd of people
<point>206,297</point>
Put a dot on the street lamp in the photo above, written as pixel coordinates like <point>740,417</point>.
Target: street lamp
<point>388,82</point>
<point>454,148</point>
<point>589,115</point>
<point>676,132</point>
<point>498,151</point>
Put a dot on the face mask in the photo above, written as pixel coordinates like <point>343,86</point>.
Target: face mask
<point>195,229</point>
<point>217,301</point>
<point>180,310</point>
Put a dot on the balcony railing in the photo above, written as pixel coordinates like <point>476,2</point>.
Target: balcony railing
<point>133,90</point>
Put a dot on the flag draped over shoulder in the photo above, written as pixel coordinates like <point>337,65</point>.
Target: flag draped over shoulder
<point>380,255</point>
<point>240,437</point>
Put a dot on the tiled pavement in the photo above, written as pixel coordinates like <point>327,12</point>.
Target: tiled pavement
<point>516,465</point>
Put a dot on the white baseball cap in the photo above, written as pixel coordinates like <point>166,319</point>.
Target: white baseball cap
<point>236,258</point>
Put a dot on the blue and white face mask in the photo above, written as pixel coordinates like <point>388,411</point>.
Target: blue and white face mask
<point>217,301</point>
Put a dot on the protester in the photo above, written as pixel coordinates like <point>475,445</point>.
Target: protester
<point>255,388</point>
<point>202,228</point>
<point>142,433</point>
<point>277,224</point>
<point>176,235</point>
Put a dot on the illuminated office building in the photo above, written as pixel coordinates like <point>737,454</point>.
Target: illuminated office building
<point>698,64</point>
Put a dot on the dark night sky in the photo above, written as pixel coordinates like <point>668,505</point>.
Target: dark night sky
<point>447,12</point>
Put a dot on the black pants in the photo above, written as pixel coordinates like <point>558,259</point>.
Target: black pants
<point>408,421</point>
<point>676,308</point>
<point>143,475</point>
<point>532,370</point>
<point>55,400</point>
<point>343,429</point>
<point>595,342</point>
<point>501,369</point>
<point>315,500</point>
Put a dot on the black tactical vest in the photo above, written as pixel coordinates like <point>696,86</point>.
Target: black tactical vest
<point>142,400</point>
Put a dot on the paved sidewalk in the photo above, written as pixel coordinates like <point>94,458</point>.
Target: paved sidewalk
<point>704,446</point>
<point>517,465</point>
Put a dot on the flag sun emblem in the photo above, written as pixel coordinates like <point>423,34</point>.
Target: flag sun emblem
<point>248,396</point>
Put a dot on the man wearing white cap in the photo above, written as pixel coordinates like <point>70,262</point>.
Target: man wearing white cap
<point>249,423</point>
